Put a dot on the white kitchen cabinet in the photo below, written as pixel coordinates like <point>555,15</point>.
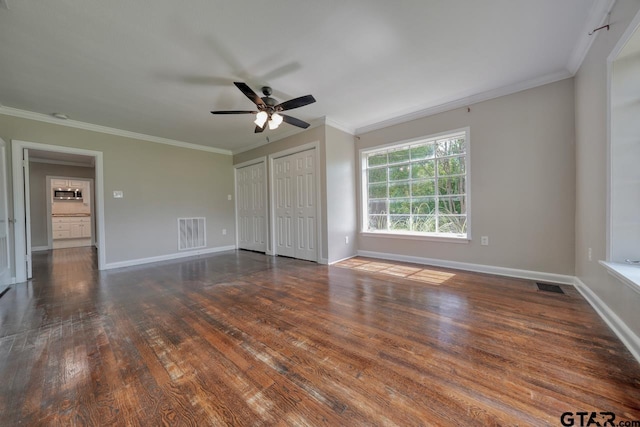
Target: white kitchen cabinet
<point>59,183</point>
<point>71,227</point>
<point>68,183</point>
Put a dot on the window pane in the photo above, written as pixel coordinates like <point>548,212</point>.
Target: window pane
<point>455,224</point>
<point>378,191</point>
<point>451,205</point>
<point>399,222</point>
<point>399,189</point>
<point>423,169</point>
<point>377,159</point>
<point>418,187</point>
<point>423,188</point>
<point>454,185</point>
<point>377,222</point>
<point>399,156</point>
<point>422,152</point>
<point>400,206</point>
<point>424,223</point>
<point>377,175</point>
<point>378,207</point>
<point>423,206</point>
<point>447,147</point>
<point>399,173</point>
<point>452,166</point>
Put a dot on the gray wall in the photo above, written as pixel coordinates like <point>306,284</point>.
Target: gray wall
<point>39,197</point>
<point>591,164</point>
<point>340,194</point>
<point>522,181</point>
<point>160,184</point>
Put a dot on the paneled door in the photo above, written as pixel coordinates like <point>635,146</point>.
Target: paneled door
<point>295,205</point>
<point>251,207</point>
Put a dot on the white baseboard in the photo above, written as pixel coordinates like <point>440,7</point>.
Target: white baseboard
<point>168,257</point>
<point>624,333</point>
<point>323,261</point>
<point>343,259</point>
<point>479,268</point>
<point>39,248</point>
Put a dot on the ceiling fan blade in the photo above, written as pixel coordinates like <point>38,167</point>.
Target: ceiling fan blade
<point>296,103</point>
<point>249,93</point>
<point>259,129</point>
<point>294,121</point>
<point>234,112</point>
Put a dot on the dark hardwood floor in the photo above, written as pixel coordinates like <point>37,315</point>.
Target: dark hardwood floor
<point>239,338</point>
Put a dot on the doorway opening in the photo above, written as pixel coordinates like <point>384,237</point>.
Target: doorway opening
<point>38,171</point>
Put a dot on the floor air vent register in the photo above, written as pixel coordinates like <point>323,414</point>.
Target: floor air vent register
<point>549,288</point>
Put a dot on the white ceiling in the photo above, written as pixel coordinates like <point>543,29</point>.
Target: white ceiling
<point>158,67</point>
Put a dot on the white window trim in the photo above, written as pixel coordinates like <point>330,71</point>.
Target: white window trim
<point>414,235</point>
<point>628,274</point>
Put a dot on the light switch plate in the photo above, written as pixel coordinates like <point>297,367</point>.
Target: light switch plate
<point>118,195</point>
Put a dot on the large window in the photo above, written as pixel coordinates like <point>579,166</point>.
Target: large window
<point>418,187</point>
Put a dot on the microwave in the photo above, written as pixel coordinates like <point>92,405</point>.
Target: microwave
<point>68,194</point>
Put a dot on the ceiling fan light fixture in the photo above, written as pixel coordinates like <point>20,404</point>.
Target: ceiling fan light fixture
<point>261,118</point>
<point>276,120</point>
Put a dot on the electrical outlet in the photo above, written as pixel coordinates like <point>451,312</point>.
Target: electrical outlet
<point>590,254</point>
<point>484,240</point>
<point>228,196</point>
<point>346,240</point>
<point>224,231</point>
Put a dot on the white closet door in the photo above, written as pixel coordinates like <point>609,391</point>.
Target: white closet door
<point>295,205</point>
<point>305,205</point>
<point>250,196</point>
<point>283,201</point>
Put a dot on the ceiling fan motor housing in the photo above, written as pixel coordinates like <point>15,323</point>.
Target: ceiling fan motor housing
<point>270,106</point>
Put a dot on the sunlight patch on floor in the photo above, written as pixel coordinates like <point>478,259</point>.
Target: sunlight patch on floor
<point>425,275</point>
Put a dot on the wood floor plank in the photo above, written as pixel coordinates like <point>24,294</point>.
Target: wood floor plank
<point>240,338</point>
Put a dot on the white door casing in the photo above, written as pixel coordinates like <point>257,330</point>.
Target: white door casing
<point>251,209</point>
<point>27,210</point>
<point>5,265</point>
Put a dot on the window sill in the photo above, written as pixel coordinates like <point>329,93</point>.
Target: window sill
<point>413,236</point>
<point>628,274</point>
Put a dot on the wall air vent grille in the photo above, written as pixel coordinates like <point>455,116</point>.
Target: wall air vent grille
<point>191,233</point>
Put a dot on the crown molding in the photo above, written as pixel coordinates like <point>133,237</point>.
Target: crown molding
<point>597,17</point>
<point>466,101</point>
<point>14,112</point>
<point>277,137</point>
<point>340,126</point>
